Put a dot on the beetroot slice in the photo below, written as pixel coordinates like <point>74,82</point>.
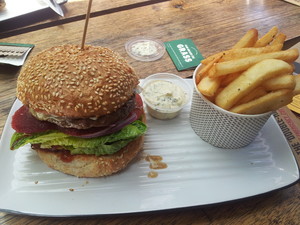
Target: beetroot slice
<point>24,122</point>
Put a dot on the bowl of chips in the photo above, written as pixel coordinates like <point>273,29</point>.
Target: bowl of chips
<point>222,128</point>
<point>237,90</point>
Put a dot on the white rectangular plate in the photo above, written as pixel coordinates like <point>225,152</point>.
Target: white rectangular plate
<point>197,174</point>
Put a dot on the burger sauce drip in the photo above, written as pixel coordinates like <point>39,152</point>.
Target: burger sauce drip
<point>155,163</point>
<point>66,157</point>
<point>152,174</point>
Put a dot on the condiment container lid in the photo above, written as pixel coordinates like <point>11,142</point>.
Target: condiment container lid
<point>145,48</point>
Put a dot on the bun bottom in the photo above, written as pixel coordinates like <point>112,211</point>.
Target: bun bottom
<point>91,165</point>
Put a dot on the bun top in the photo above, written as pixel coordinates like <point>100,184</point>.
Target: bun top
<point>72,82</point>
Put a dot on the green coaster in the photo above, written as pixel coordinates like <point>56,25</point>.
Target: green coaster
<point>184,54</point>
<point>17,44</point>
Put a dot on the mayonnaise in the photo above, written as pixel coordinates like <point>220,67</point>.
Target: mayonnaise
<point>145,48</point>
<point>164,98</point>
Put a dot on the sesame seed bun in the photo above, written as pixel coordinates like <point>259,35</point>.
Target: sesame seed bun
<point>91,165</point>
<point>68,81</point>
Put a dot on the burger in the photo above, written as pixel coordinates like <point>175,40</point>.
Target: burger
<point>81,112</point>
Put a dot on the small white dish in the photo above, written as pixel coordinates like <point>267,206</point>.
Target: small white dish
<point>145,48</point>
<point>165,95</point>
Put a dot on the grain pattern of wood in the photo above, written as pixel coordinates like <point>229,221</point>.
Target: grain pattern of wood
<point>74,11</point>
<point>213,26</point>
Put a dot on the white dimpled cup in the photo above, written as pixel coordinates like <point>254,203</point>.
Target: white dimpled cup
<point>220,127</point>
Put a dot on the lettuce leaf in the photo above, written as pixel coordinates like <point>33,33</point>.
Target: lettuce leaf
<point>104,145</point>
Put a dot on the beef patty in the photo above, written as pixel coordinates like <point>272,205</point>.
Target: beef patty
<point>85,123</point>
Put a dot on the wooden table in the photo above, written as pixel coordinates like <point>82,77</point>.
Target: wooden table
<point>213,26</point>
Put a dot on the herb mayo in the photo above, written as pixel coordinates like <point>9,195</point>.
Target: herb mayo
<point>145,48</point>
<point>164,98</point>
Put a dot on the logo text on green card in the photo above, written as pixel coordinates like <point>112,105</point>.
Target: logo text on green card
<point>184,53</point>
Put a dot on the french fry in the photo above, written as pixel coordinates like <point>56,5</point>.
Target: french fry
<point>286,81</point>
<point>296,90</point>
<point>212,98</point>
<point>199,74</point>
<point>267,38</point>
<point>205,68</point>
<point>245,52</point>
<point>256,93</point>
<point>248,40</point>
<point>229,78</point>
<point>208,86</point>
<point>207,60</point>
<point>279,39</point>
<point>242,53</point>
<point>212,71</point>
<point>238,65</point>
<point>249,80</point>
<point>269,102</point>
